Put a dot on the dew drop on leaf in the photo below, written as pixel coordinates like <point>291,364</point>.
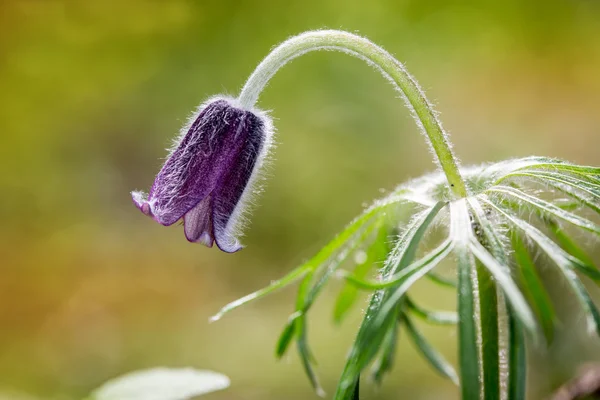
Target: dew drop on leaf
<point>360,257</point>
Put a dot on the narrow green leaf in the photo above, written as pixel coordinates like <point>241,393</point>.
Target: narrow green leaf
<point>569,244</point>
<point>419,268</point>
<point>461,229</point>
<point>434,317</point>
<point>330,267</point>
<point>568,205</point>
<point>509,288</point>
<point>385,362</point>
<point>556,165</point>
<point>488,237</point>
<point>290,278</point>
<point>307,294</point>
<point>468,352</point>
<point>503,169</point>
<point>533,288</point>
<point>321,257</point>
<point>409,242</point>
<point>356,395</point>
<point>402,255</point>
<point>488,314</point>
<point>582,200</point>
<point>573,251</point>
<point>517,365</point>
<point>376,254</point>
<point>326,252</point>
<point>286,336</point>
<point>306,356</point>
<point>469,359</point>
<point>385,315</point>
<point>565,177</point>
<point>565,263</point>
<point>437,361</point>
<point>581,190</point>
<point>380,319</point>
<point>299,318</point>
<point>549,208</point>
<point>487,233</point>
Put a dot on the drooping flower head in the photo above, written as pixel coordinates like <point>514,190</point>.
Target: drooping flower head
<point>208,176</point>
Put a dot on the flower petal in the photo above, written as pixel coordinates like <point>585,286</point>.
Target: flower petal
<point>200,160</point>
<point>209,175</point>
<point>227,242</point>
<point>232,192</point>
<point>198,224</point>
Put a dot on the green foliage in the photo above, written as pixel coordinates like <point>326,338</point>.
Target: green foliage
<point>491,236</point>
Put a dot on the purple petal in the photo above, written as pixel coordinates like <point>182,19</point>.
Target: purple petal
<point>206,178</point>
<point>194,168</point>
<point>229,194</point>
<point>197,223</point>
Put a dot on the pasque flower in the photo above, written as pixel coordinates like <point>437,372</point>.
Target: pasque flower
<point>207,178</point>
<point>495,219</point>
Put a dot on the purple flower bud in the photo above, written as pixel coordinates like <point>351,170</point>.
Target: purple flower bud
<point>207,179</point>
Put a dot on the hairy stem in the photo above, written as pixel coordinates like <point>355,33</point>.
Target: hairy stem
<point>391,68</point>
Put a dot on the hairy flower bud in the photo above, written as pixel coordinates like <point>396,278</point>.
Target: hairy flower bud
<point>208,176</point>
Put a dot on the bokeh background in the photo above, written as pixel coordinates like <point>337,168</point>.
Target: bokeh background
<point>91,92</point>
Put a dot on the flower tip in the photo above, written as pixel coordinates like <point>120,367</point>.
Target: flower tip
<point>214,318</point>
<point>230,247</point>
<point>226,240</point>
<point>139,199</point>
<point>203,238</point>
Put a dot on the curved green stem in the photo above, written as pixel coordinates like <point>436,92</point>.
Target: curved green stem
<point>391,68</point>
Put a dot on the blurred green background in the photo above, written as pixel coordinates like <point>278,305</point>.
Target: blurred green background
<point>91,92</point>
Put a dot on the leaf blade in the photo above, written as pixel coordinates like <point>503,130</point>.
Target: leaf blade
<point>468,354</point>
<point>434,317</point>
<point>322,256</point>
<point>349,293</point>
<point>428,262</point>
<point>533,288</point>
<point>490,349</point>
<point>385,362</point>
<point>564,262</point>
<point>509,288</point>
<point>468,345</point>
<point>549,208</point>
<point>287,280</point>
<point>404,249</point>
<point>517,365</point>
<point>435,359</point>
